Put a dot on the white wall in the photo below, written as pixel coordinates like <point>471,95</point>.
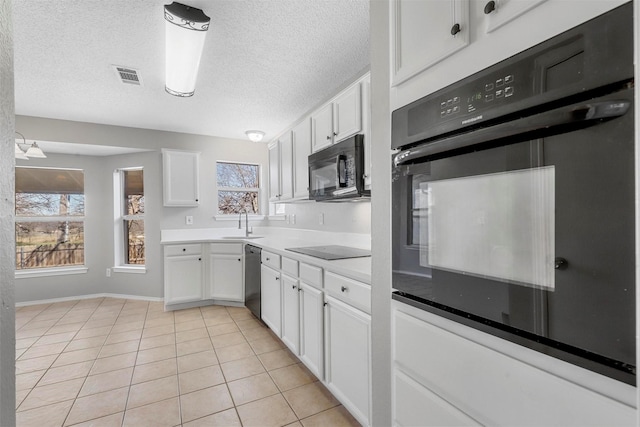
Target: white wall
<point>7,238</point>
<point>381,221</point>
<point>350,217</point>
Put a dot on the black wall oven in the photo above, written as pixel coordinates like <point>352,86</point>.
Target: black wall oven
<point>513,198</point>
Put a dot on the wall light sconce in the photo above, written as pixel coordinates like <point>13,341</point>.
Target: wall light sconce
<point>32,150</point>
<point>255,135</point>
<point>186,29</point>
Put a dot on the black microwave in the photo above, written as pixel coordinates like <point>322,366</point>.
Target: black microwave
<point>336,173</point>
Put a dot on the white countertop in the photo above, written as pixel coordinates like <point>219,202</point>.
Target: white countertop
<point>276,240</point>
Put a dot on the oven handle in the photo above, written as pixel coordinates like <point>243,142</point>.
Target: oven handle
<point>576,113</point>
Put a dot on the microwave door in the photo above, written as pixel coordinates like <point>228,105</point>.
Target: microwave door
<point>341,169</point>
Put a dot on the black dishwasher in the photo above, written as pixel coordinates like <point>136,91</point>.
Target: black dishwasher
<point>252,278</point>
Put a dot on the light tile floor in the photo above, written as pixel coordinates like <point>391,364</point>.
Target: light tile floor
<point>117,362</point>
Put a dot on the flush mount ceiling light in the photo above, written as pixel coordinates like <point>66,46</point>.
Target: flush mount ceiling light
<point>32,150</point>
<point>186,28</point>
<point>255,135</point>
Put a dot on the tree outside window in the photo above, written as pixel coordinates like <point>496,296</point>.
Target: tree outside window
<point>238,188</point>
<point>133,216</point>
<point>49,217</point>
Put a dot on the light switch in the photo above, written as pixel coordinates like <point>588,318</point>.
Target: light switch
<point>188,220</point>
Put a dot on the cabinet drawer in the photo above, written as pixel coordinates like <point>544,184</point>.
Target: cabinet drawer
<point>225,248</point>
<point>190,249</point>
<point>311,275</point>
<point>271,259</point>
<point>352,292</point>
<point>290,266</point>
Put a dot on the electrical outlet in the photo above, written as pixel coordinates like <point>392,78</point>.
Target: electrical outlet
<point>293,219</point>
<point>287,218</point>
<point>321,218</point>
<point>108,272</point>
<point>188,220</point>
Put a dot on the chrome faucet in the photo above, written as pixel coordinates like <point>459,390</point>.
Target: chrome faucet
<point>246,223</point>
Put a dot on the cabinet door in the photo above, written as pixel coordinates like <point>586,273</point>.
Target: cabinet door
<point>301,149</point>
<point>271,299</point>
<point>182,278</point>
<point>286,167</point>
<point>180,178</point>
<point>322,128</point>
<point>311,329</point>
<point>348,340</point>
<point>225,277</point>
<point>347,113</point>
<point>290,313</point>
<point>414,404</point>
<point>421,34</point>
<point>505,11</point>
<point>274,172</point>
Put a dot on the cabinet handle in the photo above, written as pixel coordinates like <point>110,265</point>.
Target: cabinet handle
<point>267,259</point>
<point>344,289</point>
<point>293,286</point>
<point>325,303</point>
<point>239,259</point>
<point>489,7</point>
<point>196,200</point>
<point>335,134</point>
<point>277,278</point>
<point>199,259</point>
<point>184,249</point>
<point>455,29</point>
<point>328,137</point>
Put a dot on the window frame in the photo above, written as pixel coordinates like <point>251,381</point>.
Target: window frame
<point>260,190</point>
<point>62,269</point>
<point>120,243</point>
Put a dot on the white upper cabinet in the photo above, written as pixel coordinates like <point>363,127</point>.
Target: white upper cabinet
<point>347,113</point>
<point>322,127</point>
<point>286,167</point>
<point>500,12</point>
<point>281,169</point>
<point>424,33</point>
<point>338,119</point>
<point>180,178</point>
<point>301,136</point>
<point>274,172</point>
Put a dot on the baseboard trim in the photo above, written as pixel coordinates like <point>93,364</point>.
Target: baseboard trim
<point>91,296</point>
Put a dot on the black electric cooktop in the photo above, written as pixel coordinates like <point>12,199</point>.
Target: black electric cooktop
<point>331,252</point>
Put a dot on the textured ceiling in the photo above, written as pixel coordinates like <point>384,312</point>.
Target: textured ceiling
<point>265,62</point>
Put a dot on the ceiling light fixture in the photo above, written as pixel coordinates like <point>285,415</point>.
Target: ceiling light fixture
<point>32,150</point>
<point>185,30</point>
<point>255,135</point>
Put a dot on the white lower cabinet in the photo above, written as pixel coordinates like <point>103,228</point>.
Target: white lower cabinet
<point>271,299</point>
<point>225,277</point>
<point>415,405</point>
<point>311,329</point>
<point>348,350</point>
<point>199,272</point>
<point>183,273</point>
<point>291,313</point>
<point>447,374</point>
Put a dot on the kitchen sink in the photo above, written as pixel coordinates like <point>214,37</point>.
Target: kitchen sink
<point>241,237</point>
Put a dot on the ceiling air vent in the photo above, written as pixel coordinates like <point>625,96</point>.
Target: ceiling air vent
<point>128,75</point>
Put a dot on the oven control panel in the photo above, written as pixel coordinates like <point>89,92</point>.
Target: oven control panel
<point>485,93</point>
